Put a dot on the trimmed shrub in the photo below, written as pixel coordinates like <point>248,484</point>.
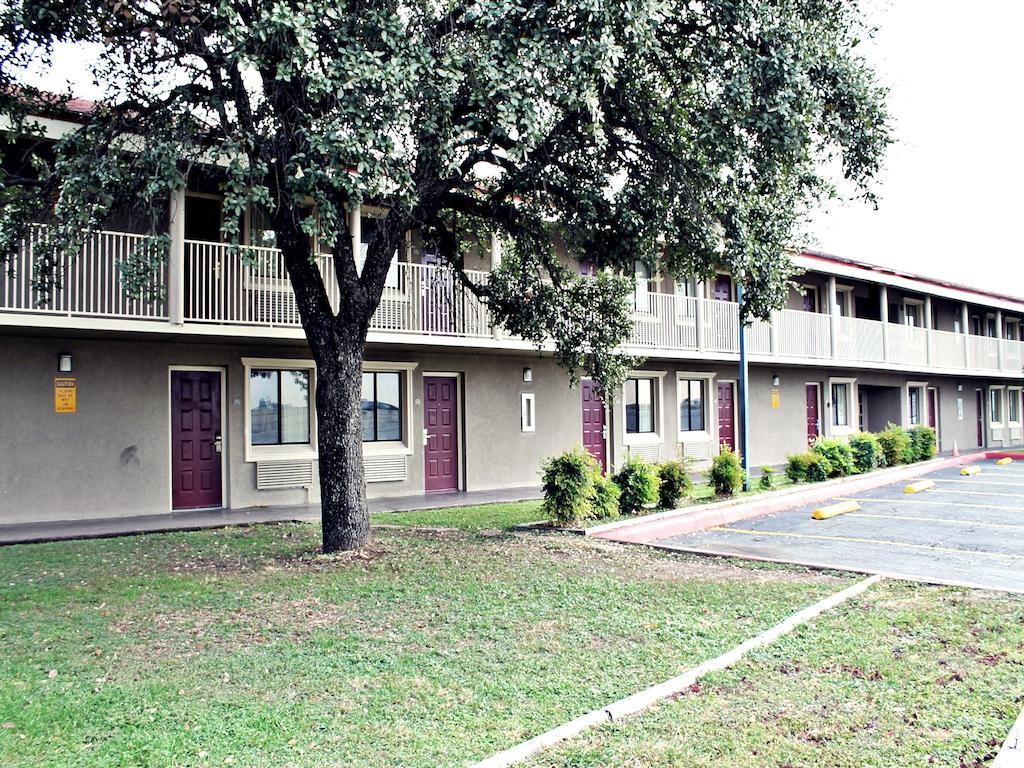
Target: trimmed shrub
<point>767,479</point>
<point>922,442</point>
<point>796,467</point>
<point>818,467</point>
<point>606,498</point>
<point>726,474</point>
<point>675,483</point>
<point>839,456</point>
<point>569,483</point>
<point>638,485</point>
<point>896,445</point>
<point>867,452</point>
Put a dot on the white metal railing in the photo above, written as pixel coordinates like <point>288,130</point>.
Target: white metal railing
<point>87,284</point>
<point>250,285</point>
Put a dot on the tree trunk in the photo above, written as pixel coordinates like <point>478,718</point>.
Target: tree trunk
<point>345,517</point>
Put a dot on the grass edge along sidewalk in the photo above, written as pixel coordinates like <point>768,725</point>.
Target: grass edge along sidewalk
<point>648,697</point>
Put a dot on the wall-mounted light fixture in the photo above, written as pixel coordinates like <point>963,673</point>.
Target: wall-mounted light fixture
<point>775,380</point>
<point>527,375</point>
<point>64,362</point>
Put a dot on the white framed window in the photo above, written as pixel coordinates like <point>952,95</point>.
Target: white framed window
<point>913,312</point>
<point>844,300</point>
<point>687,287</point>
<point>809,298</point>
<point>527,412</point>
<point>1013,406</point>
<point>991,328</point>
<point>995,406</point>
<point>386,407</point>
<point>280,420</point>
<point>641,287</point>
<point>841,404</point>
<point>1013,328</point>
<point>692,404</point>
<point>915,406</point>
<point>641,407</point>
<point>367,231</point>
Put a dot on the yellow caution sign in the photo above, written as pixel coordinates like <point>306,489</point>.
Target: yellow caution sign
<point>974,469</point>
<point>919,485</point>
<point>65,395</point>
<point>832,510</point>
<point>1005,460</point>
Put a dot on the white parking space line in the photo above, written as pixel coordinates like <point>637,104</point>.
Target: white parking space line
<point>933,503</point>
<point>978,493</point>
<point>976,481</point>
<point>949,520</point>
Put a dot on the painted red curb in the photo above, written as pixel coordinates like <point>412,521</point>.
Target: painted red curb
<point>643,532</point>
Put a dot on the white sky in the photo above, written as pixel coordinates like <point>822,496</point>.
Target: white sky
<point>950,193</point>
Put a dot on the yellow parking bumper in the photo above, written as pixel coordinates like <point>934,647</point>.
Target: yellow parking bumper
<point>832,510</point>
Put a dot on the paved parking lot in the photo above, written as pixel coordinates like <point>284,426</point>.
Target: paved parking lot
<point>966,530</point>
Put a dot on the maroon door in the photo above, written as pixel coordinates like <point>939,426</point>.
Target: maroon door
<point>932,409</point>
<point>981,417</point>
<point>593,423</point>
<point>440,417</point>
<point>813,422</point>
<point>195,439</point>
<point>810,301</point>
<point>726,417</point>
<point>723,288</point>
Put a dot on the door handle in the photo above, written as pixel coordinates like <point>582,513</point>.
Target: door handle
<point>426,436</point>
<point>218,444</point>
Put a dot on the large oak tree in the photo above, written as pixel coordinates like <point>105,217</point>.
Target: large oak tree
<point>688,135</point>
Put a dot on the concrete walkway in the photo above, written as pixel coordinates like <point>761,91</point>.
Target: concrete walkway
<point>24,533</point>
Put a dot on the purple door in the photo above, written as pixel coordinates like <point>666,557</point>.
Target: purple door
<point>195,437</point>
<point>813,422</point>
<point>980,403</point>
<point>723,288</point>
<point>440,417</point>
<point>593,423</point>
<point>726,417</point>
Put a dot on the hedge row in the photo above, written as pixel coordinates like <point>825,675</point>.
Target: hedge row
<point>576,492</point>
<point>862,452</point>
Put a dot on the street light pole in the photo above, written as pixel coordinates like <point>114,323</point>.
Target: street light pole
<point>744,406</point>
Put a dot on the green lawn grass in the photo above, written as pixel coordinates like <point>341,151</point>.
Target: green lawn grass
<point>476,518</point>
<point>432,648</point>
<point>904,675</point>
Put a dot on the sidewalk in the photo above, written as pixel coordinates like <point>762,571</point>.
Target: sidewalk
<point>24,533</point>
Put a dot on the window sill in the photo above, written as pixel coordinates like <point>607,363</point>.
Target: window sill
<point>695,436</point>
<point>387,449</point>
<point>255,453</point>
<point>642,438</point>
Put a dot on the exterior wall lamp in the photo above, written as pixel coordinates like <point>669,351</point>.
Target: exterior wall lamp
<point>775,380</point>
<point>527,375</point>
<point>64,362</point>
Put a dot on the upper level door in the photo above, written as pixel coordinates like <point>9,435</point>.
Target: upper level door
<point>723,288</point>
<point>594,423</point>
<point>195,439</point>
<point>440,418</point>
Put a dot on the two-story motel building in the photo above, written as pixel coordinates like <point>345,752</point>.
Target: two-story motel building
<point>120,406</point>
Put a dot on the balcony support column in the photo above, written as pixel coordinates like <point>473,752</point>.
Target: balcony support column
<point>883,313</point>
<point>999,338</point>
<point>964,329</point>
<point>176,258</point>
<point>928,329</point>
<point>496,330</point>
<point>833,312</point>
<point>698,314</point>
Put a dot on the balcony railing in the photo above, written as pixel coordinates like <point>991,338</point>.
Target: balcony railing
<point>249,287</point>
<point>89,284</point>
<point>675,323</point>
